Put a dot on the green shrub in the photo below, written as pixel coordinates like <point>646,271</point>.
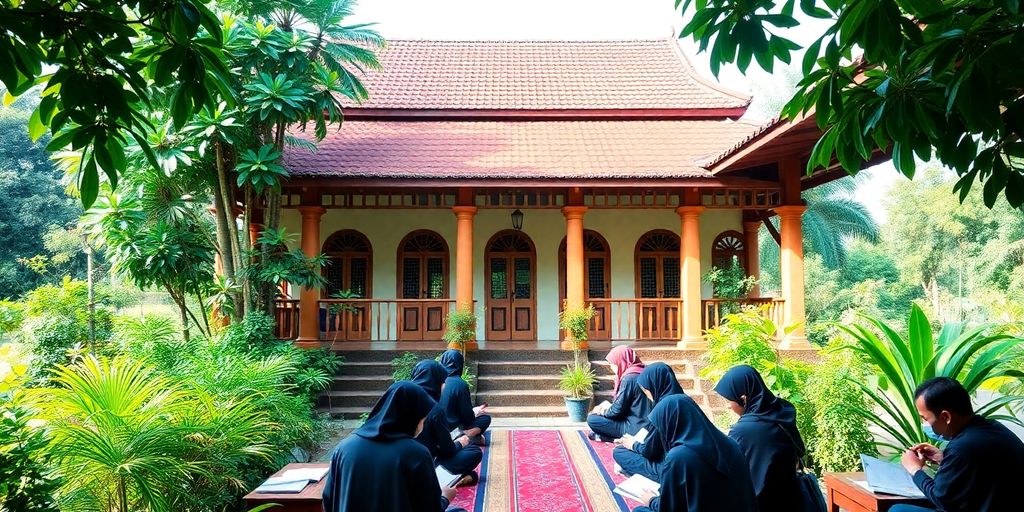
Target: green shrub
<point>577,381</point>
<point>460,328</point>
<point>11,316</point>
<point>26,477</point>
<point>403,365</point>
<point>841,435</point>
<point>975,357</point>
<point>57,321</point>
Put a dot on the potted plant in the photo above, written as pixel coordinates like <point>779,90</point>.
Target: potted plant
<point>578,385</point>
<point>578,379</point>
<point>461,329</point>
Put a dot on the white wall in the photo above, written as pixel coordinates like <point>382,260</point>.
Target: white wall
<point>385,228</point>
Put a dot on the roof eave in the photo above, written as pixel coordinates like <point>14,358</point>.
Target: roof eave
<point>667,114</point>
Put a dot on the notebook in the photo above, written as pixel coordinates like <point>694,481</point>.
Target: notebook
<point>889,478</point>
<point>292,481</point>
<point>636,486</point>
<point>446,478</point>
<point>455,434</point>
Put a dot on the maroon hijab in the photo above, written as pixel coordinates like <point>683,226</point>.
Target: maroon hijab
<point>626,361</point>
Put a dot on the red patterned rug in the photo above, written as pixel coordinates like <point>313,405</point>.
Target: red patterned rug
<point>542,471</point>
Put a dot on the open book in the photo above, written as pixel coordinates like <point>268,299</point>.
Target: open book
<point>446,478</point>
<point>292,481</point>
<point>636,486</point>
<point>889,478</point>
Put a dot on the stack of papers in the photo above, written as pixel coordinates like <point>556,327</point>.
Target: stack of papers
<point>636,486</point>
<point>292,481</point>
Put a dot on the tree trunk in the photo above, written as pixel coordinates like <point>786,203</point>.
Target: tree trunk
<point>226,220</point>
<point>246,253</point>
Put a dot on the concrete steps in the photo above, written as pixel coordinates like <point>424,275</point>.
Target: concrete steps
<point>514,383</point>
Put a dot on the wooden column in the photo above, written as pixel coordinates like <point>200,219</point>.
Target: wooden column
<point>309,305</point>
<point>753,263</point>
<point>689,257</point>
<point>464,260</point>
<point>791,260</point>
<point>574,263</point>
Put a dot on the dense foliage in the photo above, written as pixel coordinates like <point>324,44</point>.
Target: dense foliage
<point>918,78</point>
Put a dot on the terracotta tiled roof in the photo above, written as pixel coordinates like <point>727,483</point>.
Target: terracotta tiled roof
<point>510,149</point>
<point>540,75</point>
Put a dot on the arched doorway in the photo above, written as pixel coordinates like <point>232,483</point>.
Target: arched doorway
<point>511,263</point>
<point>597,280</point>
<point>727,248</point>
<point>422,276</point>
<point>349,273</point>
<point>657,280</point>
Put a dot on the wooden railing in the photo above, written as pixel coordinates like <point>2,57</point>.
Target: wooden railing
<point>286,318</point>
<point>383,319</point>
<point>636,319</point>
<point>715,309</point>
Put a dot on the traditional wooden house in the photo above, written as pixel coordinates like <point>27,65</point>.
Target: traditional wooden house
<point>515,177</point>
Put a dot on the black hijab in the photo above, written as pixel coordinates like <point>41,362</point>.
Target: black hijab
<point>660,380</point>
<point>680,422</point>
<point>762,405</point>
<point>397,413</point>
<point>453,361</point>
<point>429,375</point>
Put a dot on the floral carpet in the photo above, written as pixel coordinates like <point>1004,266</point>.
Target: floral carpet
<point>544,471</point>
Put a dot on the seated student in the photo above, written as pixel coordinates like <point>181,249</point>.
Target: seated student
<point>456,402</point>
<point>381,467</point>
<point>767,435</point>
<point>980,468</point>
<point>657,381</point>
<point>627,414</point>
<point>458,456</point>
<point>703,471</point>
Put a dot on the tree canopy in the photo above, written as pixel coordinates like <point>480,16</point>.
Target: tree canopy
<point>925,78</point>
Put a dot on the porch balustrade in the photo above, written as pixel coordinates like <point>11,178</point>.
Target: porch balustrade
<point>636,319</point>
<point>370,319</point>
<point>715,309</point>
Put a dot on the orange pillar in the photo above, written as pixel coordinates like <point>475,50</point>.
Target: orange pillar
<point>573,262</point>
<point>791,259</point>
<point>464,260</point>
<point>750,243</point>
<point>309,298</point>
<point>689,257</point>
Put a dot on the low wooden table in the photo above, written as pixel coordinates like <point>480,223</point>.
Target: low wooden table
<point>847,491</point>
<point>309,500</point>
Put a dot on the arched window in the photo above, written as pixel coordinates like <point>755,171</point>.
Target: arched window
<point>423,266</point>
<point>597,266</point>
<point>349,264</point>
<point>729,247</point>
<point>657,265</point>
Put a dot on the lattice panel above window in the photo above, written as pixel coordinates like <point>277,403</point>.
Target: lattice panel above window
<point>347,241</point>
<point>729,242</point>
<point>424,242</point>
<point>510,242</point>
<point>660,241</point>
<point>593,242</point>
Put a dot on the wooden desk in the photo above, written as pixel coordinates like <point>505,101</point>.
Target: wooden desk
<point>842,491</point>
<point>309,500</point>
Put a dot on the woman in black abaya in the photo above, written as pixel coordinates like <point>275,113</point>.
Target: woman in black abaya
<point>456,402</point>
<point>656,382</point>
<point>767,435</point>
<point>703,470</point>
<point>380,466</point>
<point>457,456</point>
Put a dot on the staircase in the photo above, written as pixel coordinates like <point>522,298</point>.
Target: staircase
<point>514,383</point>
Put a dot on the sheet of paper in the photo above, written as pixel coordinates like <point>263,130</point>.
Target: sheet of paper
<point>889,478</point>
<point>478,409</point>
<point>311,474</point>
<point>641,436</point>
<point>455,434</point>
<point>445,478</point>
<point>636,486</point>
<point>605,404</point>
<point>282,485</point>
<point>864,484</point>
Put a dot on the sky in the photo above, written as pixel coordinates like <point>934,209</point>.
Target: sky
<point>585,20</point>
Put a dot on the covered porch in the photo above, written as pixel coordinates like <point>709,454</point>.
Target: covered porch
<point>401,260</point>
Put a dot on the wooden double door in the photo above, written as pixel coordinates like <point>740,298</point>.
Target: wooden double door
<point>423,287</point>
<point>511,264</point>
<point>658,286</point>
